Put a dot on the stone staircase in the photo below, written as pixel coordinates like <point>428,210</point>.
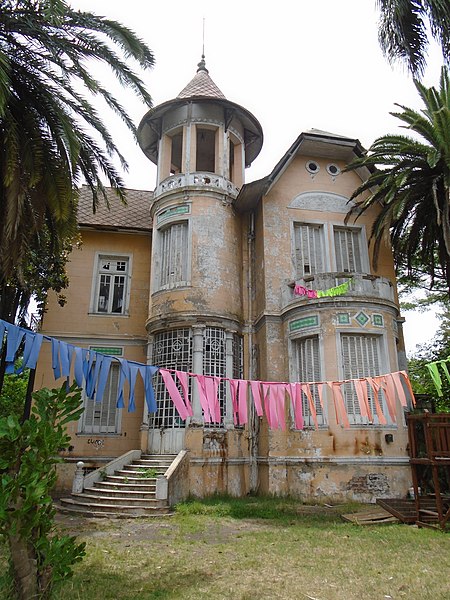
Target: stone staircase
<point>129,492</point>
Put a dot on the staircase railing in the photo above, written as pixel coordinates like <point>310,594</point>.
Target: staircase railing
<point>173,486</point>
<point>81,481</point>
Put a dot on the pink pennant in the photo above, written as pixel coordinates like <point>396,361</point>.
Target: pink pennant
<point>312,407</point>
<point>340,404</point>
<point>389,393</point>
<point>296,398</point>
<point>207,388</point>
<point>279,390</point>
<point>233,392</point>
<point>363,398</point>
<point>174,393</point>
<point>330,385</point>
<point>320,392</point>
<point>202,396</point>
<point>375,385</point>
<point>211,388</point>
<point>256,393</point>
<point>183,379</point>
<point>269,405</point>
<point>404,374</point>
<point>242,401</point>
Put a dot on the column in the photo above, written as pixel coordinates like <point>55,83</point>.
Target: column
<point>145,416</point>
<point>197,367</point>
<point>228,416</point>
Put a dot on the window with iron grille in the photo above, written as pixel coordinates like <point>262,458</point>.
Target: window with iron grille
<point>238,361</point>
<point>111,285</point>
<point>360,358</point>
<point>173,254</point>
<point>348,250</point>
<point>104,416</point>
<point>171,350</point>
<point>309,255</point>
<point>214,362</point>
<point>238,357</point>
<point>308,370</point>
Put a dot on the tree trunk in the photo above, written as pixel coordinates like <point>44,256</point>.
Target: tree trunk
<point>23,562</point>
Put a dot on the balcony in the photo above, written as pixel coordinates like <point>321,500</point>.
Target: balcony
<point>362,286</point>
<point>201,181</point>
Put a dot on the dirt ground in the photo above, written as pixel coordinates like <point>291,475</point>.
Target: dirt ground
<point>150,529</point>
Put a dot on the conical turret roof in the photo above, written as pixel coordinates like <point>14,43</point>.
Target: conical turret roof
<point>202,92</point>
<point>201,84</point>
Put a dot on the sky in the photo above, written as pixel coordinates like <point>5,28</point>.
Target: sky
<point>294,65</point>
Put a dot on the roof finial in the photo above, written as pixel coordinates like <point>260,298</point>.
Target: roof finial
<point>203,50</point>
<point>202,65</point>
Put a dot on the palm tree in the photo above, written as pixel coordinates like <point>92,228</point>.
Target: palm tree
<point>409,185</point>
<point>51,136</point>
<point>403,29</point>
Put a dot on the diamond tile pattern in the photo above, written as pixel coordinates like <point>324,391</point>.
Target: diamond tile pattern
<point>362,318</point>
<point>201,85</point>
<point>134,215</point>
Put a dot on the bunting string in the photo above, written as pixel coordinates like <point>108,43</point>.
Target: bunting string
<point>271,399</point>
<point>339,290</point>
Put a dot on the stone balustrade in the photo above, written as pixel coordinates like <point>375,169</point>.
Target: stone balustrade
<point>200,180</point>
<point>362,286</point>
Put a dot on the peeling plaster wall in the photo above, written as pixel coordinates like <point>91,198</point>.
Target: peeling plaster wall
<point>216,266</point>
<point>75,324</point>
<point>339,482</point>
<point>218,461</point>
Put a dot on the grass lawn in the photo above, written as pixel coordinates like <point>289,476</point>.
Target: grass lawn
<point>255,548</point>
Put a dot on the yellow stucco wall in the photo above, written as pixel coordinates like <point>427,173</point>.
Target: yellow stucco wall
<point>76,323</point>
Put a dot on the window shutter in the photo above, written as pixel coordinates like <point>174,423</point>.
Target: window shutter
<point>102,417</point>
<point>308,365</point>
<point>347,246</point>
<point>174,254</point>
<point>360,354</point>
<point>308,249</point>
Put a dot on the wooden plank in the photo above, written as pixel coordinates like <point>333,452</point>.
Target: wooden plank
<point>403,510</point>
<point>372,516</point>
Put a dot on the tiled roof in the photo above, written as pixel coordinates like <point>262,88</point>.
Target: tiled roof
<point>201,85</point>
<point>134,215</point>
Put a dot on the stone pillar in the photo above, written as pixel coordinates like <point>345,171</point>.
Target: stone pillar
<point>228,416</point>
<point>165,155</point>
<point>197,367</point>
<point>191,151</point>
<point>186,150</point>
<point>219,167</point>
<point>78,480</point>
<point>145,416</point>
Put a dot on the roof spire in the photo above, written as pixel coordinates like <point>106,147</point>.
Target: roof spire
<point>202,65</point>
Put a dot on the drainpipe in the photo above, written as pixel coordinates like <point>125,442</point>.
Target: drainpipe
<point>254,420</point>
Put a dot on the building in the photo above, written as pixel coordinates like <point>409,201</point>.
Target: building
<point>200,275</point>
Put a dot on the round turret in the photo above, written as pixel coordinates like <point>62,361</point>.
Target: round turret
<point>200,132</point>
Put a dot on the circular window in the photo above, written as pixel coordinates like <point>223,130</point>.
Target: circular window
<point>312,167</point>
<point>333,170</point>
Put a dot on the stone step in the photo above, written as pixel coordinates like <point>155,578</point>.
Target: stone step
<point>90,513</point>
<point>94,498</point>
<point>127,478</point>
<point>128,493</point>
<point>118,492</point>
<point>125,509</point>
<point>170,457</point>
<point>145,470</point>
<point>111,485</point>
<point>147,464</point>
<point>129,475</point>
